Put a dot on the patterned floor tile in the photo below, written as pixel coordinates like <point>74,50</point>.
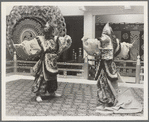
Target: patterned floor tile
<point>76,100</point>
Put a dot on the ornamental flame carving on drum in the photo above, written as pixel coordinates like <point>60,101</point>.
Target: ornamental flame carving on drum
<point>26,22</point>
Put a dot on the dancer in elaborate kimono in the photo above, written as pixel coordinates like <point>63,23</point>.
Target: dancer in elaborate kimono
<point>49,47</point>
<point>111,99</point>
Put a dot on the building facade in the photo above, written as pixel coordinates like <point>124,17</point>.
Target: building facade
<point>127,23</point>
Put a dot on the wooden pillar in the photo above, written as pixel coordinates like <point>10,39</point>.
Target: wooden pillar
<point>15,62</point>
<point>138,68</point>
<point>124,69</point>
<point>89,32</point>
<point>85,69</point>
<point>31,70</point>
<point>142,74</point>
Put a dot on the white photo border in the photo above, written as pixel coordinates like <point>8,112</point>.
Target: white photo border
<point>4,6</point>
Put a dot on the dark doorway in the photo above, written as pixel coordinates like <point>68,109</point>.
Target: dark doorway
<point>74,25</point>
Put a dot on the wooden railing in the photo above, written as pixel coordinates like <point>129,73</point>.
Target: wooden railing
<point>73,70</point>
<point>142,74</point>
<point>80,70</point>
<point>139,71</point>
<point>129,68</point>
<point>76,70</point>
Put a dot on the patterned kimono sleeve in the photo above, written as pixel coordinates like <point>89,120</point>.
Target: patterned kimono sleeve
<point>31,47</point>
<point>64,44</point>
<point>50,45</point>
<point>28,48</point>
<point>46,45</point>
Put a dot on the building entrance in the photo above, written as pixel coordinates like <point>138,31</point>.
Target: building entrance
<point>74,26</point>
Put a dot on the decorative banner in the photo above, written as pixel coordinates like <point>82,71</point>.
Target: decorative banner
<point>125,36</point>
<point>134,51</point>
<point>142,45</point>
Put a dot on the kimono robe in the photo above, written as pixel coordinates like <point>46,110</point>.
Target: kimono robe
<point>45,70</point>
<point>111,99</point>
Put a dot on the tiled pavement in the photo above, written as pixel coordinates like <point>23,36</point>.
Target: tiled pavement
<point>76,100</point>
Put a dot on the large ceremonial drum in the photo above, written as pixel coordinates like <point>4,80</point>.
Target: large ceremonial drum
<point>26,22</point>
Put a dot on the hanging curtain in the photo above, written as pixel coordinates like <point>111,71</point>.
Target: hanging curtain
<point>134,51</point>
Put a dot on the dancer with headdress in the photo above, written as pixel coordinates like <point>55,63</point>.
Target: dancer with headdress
<point>49,47</point>
<point>111,98</point>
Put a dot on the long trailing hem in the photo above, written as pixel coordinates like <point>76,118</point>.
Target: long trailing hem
<point>127,103</point>
<point>113,99</point>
